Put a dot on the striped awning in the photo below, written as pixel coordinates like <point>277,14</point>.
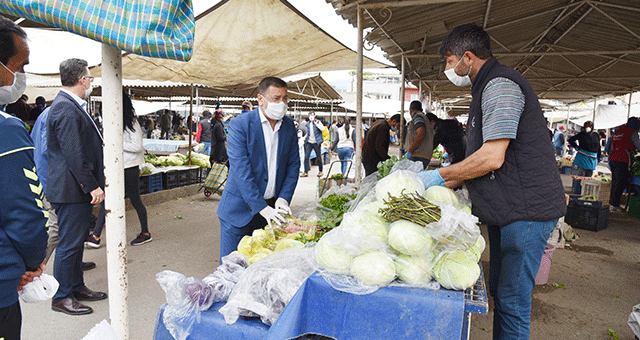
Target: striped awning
<point>152,28</point>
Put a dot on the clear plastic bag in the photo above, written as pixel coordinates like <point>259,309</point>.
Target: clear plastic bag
<point>188,296</point>
<point>405,164</point>
<point>101,331</point>
<point>42,288</point>
<point>147,168</point>
<point>456,230</point>
<point>634,320</point>
<point>269,284</point>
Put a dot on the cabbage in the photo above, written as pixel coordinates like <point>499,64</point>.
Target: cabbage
<point>477,249</point>
<point>262,253</point>
<point>374,268</point>
<point>332,258</point>
<point>457,270</point>
<point>414,270</point>
<point>397,183</point>
<point>287,243</point>
<point>439,193</point>
<point>372,208</point>
<point>409,238</point>
<point>367,220</point>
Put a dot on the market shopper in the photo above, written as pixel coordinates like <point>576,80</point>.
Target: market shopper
<point>263,167</point>
<point>165,125</point>
<point>75,179</point>
<point>313,141</point>
<point>450,135</point>
<point>133,153</point>
<point>376,144</point>
<point>587,153</point>
<point>510,172</point>
<point>218,140</point>
<point>558,141</point>
<point>419,136</point>
<point>23,236</point>
<point>622,149</point>
<point>203,135</point>
<point>345,144</point>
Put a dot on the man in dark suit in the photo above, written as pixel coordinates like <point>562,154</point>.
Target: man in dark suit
<point>263,167</point>
<point>75,182</point>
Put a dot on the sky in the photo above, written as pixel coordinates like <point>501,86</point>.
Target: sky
<point>49,48</point>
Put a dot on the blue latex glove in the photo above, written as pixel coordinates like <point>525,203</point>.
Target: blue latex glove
<point>406,155</point>
<point>431,178</point>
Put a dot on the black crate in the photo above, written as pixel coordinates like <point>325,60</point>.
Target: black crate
<point>170,179</point>
<point>194,176</point>
<point>589,215</point>
<point>144,185</point>
<point>184,178</point>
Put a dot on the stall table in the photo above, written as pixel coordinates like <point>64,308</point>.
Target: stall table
<point>163,146</point>
<point>388,313</point>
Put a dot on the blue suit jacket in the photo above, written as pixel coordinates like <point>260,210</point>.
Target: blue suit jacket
<point>247,181</point>
<point>74,153</point>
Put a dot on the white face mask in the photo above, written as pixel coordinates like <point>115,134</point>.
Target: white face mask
<point>275,111</point>
<point>456,79</point>
<point>11,93</point>
<point>87,92</point>
<point>588,129</point>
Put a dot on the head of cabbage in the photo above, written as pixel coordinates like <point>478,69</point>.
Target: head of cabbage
<point>458,270</point>
<point>369,228</point>
<point>397,183</point>
<point>331,254</point>
<point>414,270</point>
<point>409,238</point>
<point>374,268</point>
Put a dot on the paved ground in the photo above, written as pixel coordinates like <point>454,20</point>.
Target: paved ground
<point>597,279</point>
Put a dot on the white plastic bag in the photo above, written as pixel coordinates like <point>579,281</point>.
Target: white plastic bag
<point>269,284</point>
<point>42,288</point>
<point>634,320</point>
<point>101,331</point>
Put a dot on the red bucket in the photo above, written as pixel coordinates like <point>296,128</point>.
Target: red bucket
<point>545,265</point>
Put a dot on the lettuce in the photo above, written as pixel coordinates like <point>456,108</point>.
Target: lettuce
<point>414,270</point>
<point>397,183</point>
<point>374,268</point>
<point>458,270</point>
<point>332,257</point>
<point>409,238</point>
<point>436,194</point>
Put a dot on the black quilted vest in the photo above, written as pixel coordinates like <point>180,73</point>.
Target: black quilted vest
<point>528,186</point>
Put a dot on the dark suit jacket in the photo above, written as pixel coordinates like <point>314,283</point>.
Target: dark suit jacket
<point>243,194</point>
<point>74,153</point>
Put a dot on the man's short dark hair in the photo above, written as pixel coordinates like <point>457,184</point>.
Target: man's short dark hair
<point>415,105</point>
<point>72,70</point>
<point>206,114</point>
<point>432,117</point>
<point>8,30</point>
<point>467,37</point>
<point>395,117</point>
<point>267,82</point>
<point>40,100</point>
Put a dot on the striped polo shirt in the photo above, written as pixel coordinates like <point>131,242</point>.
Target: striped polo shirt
<point>502,106</point>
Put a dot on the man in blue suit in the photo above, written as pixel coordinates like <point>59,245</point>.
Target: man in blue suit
<point>75,179</point>
<point>263,167</point>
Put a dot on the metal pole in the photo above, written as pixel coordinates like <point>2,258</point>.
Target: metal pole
<point>114,191</point>
<point>190,122</point>
<point>402,89</point>
<point>594,113</point>
<point>566,128</point>
<point>629,109</point>
<point>359,96</point>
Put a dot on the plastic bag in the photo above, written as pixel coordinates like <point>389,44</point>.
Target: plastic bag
<point>456,230</point>
<point>405,164</point>
<point>42,288</point>
<point>634,320</point>
<point>147,169</point>
<point>188,296</point>
<point>101,331</point>
<point>269,284</point>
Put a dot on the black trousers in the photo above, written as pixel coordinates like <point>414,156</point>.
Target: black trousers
<point>11,322</point>
<point>620,179</point>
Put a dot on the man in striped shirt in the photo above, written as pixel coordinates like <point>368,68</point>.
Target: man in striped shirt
<point>510,171</point>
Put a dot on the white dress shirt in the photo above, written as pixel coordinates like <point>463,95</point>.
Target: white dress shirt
<point>271,145</point>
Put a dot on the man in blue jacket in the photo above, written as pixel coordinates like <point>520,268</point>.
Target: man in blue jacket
<point>263,167</point>
<point>23,233</point>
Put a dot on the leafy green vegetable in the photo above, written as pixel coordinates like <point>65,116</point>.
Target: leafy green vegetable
<point>385,167</point>
<point>411,207</point>
<point>337,176</point>
<point>613,334</point>
<point>414,270</point>
<point>334,202</point>
<point>409,238</point>
<point>374,268</point>
<point>557,285</point>
<point>457,270</point>
<point>437,154</point>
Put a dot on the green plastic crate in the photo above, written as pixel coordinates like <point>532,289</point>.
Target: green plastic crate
<point>634,206</point>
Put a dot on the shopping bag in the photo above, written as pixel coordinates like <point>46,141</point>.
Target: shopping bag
<point>217,177</point>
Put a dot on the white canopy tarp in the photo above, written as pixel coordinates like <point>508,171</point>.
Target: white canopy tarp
<point>239,42</point>
<point>386,106</point>
<point>609,116</point>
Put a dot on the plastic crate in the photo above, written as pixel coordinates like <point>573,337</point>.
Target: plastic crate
<point>170,179</point>
<point>194,176</point>
<point>184,177</point>
<point>155,182</point>
<point>634,206</point>
<point>144,185</point>
<point>589,215</point>
<point>600,189</point>
<point>204,172</point>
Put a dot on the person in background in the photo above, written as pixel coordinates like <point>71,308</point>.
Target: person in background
<point>20,108</point>
<point>376,144</point>
<point>165,125</point>
<point>246,107</point>
<point>313,141</point>
<point>419,136</point>
<point>622,149</point>
<point>333,135</point>
<point>133,153</point>
<point>203,135</point>
<point>346,143</point>
<point>263,167</point>
<point>510,171</point>
<point>449,134</point>
<point>218,140</point>
<point>175,122</point>
<point>150,126</point>
<point>558,141</point>
<point>75,182</point>
<point>23,236</point>
<point>41,104</point>
<point>588,153</point>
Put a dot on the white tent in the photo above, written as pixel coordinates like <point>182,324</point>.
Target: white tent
<point>610,116</point>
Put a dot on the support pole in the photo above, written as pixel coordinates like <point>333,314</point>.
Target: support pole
<point>402,90</point>
<point>566,128</point>
<point>190,123</point>
<point>359,96</point>
<point>114,191</point>
<point>629,109</point>
<point>595,100</point>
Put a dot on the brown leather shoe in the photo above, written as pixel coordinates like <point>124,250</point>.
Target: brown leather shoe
<point>70,306</point>
<point>87,294</point>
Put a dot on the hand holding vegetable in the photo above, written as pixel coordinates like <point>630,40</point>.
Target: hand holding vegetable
<point>283,205</point>
<point>431,178</point>
<point>271,214</point>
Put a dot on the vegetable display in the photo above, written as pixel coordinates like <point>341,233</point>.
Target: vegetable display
<point>385,167</point>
